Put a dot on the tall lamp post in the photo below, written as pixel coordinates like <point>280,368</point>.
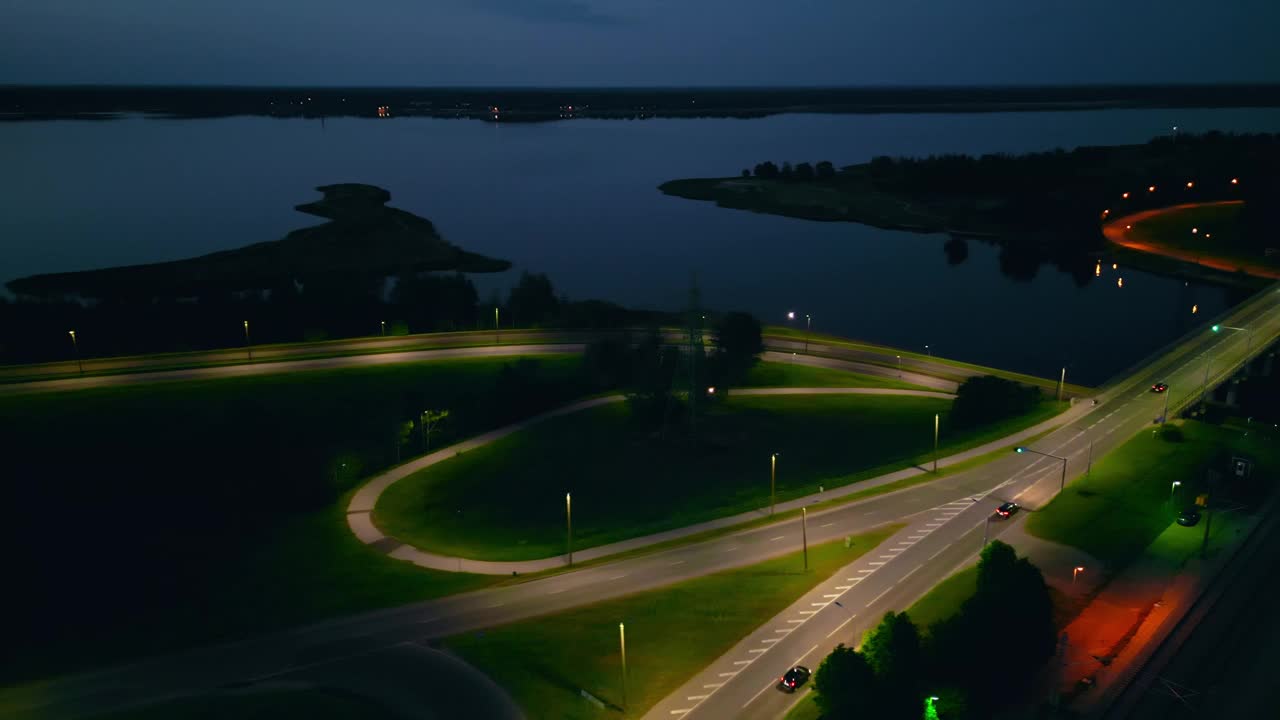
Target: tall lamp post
<point>773,481</point>
<point>804,534</point>
<point>1172,489</point>
<point>1063,485</point>
<point>248,344</point>
<point>495,324</point>
<point>1062,381</point>
<point>808,328</point>
<point>935,443</point>
<point>568,522</point>
<point>75,348</point>
<point>622,645</point>
<point>383,323</point>
<point>1248,344</point>
<point>899,367</point>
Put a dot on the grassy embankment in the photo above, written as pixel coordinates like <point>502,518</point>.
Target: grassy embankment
<point>1126,502</point>
<point>671,634</point>
<point>217,505</point>
<point>625,480</point>
<point>265,705</point>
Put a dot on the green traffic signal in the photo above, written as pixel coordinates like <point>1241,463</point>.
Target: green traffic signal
<point>1215,328</point>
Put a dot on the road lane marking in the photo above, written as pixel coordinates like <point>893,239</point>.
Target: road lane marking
<point>697,697</point>
<point>808,612</point>
<point>731,549</point>
<point>820,604</point>
<point>841,626</point>
<point>771,640</point>
<point>494,605</point>
<point>617,577</point>
<point>680,712</point>
<point>916,538</point>
<point>843,587</point>
<point>827,525</point>
<point>777,538</point>
<point>741,662</point>
<point>876,564</point>
<point>795,621</point>
<point>904,577</point>
<point>944,549</point>
<point>934,525</point>
<point>731,674</point>
<point>784,630</point>
<point>831,595</point>
<point>713,685</point>
<point>757,650</point>
<point>806,654</point>
<point>557,592</point>
<point>678,562</point>
<point>865,572</point>
<point>753,697</point>
<point>873,600</point>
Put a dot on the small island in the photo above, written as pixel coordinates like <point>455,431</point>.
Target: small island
<point>363,237</point>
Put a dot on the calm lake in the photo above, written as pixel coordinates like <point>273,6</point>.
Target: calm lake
<point>578,201</point>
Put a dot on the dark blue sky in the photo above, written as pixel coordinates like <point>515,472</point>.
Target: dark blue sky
<point>638,42</point>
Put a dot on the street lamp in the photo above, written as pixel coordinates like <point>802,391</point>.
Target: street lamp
<point>568,521</point>
<point>808,328</point>
<point>1248,335</point>
<point>1075,572</point>
<point>899,366</point>
<point>1063,485</point>
<point>622,645</point>
<point>248,344</point>
<point>935,443</point>
<point>804,534</point>
<point>75,348</point>
<point>773,481</point>
<point>1173,488</point>
<point>495,325</point>
<point>927,350</point>
<point>1062,381</point>
<point>383,323</point>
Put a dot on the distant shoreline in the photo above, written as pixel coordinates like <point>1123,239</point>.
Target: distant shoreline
<point>22,103</point>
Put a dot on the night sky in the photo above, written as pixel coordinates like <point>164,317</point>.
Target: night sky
<point>638,42</point>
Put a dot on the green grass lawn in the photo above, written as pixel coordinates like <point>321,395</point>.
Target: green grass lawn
<point>771,374</point>
<point>671,633</point>
<point>945,599</point>
<point>265,705</point>
<point>506,500</point>
<point>1125,502</point>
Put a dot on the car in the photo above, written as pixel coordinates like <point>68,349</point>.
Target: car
<point>1188,517</point>
<point>1159,388</point>
<point>1007,509</point>
<point>794,678</point>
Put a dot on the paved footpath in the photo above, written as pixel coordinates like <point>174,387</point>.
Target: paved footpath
<point>360,509</point>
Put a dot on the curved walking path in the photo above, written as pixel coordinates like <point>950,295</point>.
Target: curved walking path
<point>360,509</point>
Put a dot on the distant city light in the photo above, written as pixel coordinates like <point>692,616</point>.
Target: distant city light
<point>1124,195</point>
<point>1151,188</point>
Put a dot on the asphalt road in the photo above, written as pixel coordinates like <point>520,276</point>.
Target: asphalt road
<point>941,534</point>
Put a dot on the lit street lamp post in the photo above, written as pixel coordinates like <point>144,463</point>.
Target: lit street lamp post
<point>1063,485</point>
<point>75,348</point>
<point>1075,572</point>
<point>383,323</point>
<point>622,644</point>
<point>248,344</point>
<point>1248,344</point>
<point>935,443</point>
<point>1062,381</point>
<point>1172,489</point>
<point>568,522</point>
<point>899,367</point>
<point>808,328</point>
<point>804,534</point>
<point>773,481</point>
<point>495,325</point>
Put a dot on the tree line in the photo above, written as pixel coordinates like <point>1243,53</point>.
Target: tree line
<point>768,170</point>
<point>966,666</point>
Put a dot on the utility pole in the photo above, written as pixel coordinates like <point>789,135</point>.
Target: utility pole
<point>804,534</point>
<point>695,349</point>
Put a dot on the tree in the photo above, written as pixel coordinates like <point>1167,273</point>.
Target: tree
<point>845,685</point>
<point>986,399</point>
<point>893,651</point>
<point>739,344</point>
<point>766,170</point>
<point>825,170</point>
<point>427,423</point>
<point>787,171</point>
<point>533,301</point>
<point>746,173</point>
<point>804,171</point>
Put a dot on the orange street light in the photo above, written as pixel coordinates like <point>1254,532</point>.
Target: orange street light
<point>1075,572</point>
<point>1119,282</point>
<point>1151,188</point>
<point>1195,231</point>
<point>1235,181</point>
<point>1190,185</point>
<point>1124,195</point>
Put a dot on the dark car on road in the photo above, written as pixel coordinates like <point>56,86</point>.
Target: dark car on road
<point>1188,517</point>
<point>794,678</point>
<point>1159,388</point>
<point>1007,509</point>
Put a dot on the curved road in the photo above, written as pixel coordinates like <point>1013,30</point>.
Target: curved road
<point>944,517</point>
